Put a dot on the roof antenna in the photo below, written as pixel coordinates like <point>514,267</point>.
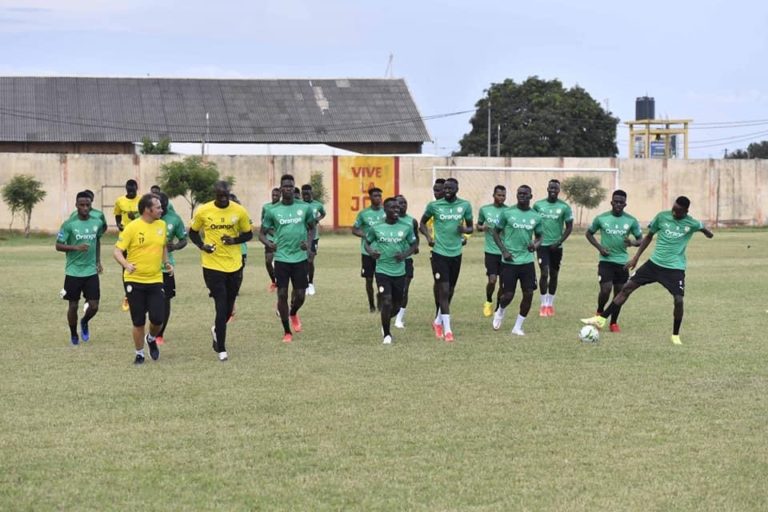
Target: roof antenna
<point>390,72</point>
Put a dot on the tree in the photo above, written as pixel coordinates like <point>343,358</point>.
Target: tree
<point>21,194</point>
<point>318,190</point>
<point>541,118</point>
<point>754,150</point>
<point>163,147</point>
<point>584,191</point>
<point>191,178</point>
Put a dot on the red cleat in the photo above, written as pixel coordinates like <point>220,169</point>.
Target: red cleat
<point>295,323</point>
<point>543,311</point>
<point>287,338</point>
<point>449,337</point>
<point>272,287</point>
<point>438,328</point>
<point>550,311</point>
<point>615,328</point>
<point>159,340</point>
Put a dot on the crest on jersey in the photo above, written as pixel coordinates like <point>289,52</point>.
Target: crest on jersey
<point>459,209</point>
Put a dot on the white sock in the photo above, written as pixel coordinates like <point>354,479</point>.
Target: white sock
<point>500,311</point>
<point>140,352</point>
<point>401,314</point>
<point>544,299</point>
<point>150,338</point>
<point>519,322</point>
<point>446,319</point>
<point>552,299</point>
<point>438,318</point>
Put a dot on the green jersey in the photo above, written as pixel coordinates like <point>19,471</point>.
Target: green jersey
<point>365,220</point>
<point>411,221</point>
<point>613,231</point>
<point>448,215</point>
<point>174,228</point>
<point>75,232</point>
<point>291,223</point>
<point>553,219</point>
<point>518,229</point>
<point>318,210</point>
<point>489,216</point>
<point>94,214</point>
<point>388,240</point>
<point>672,237</point>
<point>267,206</point>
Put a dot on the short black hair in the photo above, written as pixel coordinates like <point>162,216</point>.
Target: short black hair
<point>683,201</point>
<point>307,187</point>
<point>374,189</point>
<point>499,187</point>
<point>619,192</point>
<point>553,180</point>
<point>146,201</point>
<point>131,182</point>
<point>454,180</point>
<point>163,197</point>
<point>296,190</point>
<point>287,177</point>
<point>90,193</point>
<point>83,194</point>
<point>389,200</point>
<point>439,181</point>
<point>525,186</point>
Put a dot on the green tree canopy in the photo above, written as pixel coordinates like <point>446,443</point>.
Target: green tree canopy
<point>754,150</point>
<point>21,194</point>
<point>191,178</point>
<point>541,118</point>
<point>162,147</point>
<point>583,191</point>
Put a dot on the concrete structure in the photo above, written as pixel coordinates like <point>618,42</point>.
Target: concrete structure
<point>723,192</point>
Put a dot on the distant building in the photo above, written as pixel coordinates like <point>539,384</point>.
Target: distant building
<point>109,115</point>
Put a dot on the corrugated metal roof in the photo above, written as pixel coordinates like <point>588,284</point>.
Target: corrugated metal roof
<point>74,109</point>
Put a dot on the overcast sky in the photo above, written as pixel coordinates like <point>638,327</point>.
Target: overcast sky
<point>704,60</point>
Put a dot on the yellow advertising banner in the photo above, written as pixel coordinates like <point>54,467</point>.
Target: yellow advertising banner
<point>353,176</point>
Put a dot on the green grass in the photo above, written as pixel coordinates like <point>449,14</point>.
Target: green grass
<point>338,421</point>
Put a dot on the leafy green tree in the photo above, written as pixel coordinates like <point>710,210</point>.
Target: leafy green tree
<point>191,178</point>
<point>754,150</point>
<point>541,118</point>
<point>21,194</point>
<point>162,147</point>
<point>318,190</point>
<point>584,191</point>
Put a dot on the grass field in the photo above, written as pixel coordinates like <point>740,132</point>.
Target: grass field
<point>337,421</point>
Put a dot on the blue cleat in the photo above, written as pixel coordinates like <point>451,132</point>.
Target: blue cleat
<point>85,333</point>
<point>75,340</point>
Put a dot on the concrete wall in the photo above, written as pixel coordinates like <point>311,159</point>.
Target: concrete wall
<point>722,192</point>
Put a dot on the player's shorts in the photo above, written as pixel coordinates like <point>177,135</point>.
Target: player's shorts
<point>222,285</point>
<point>389,285</point>
<point>169,285</point>
<point>409,268</point>
<point>610,272</point>
<point>670,278</point>
<point>492,264</point>
<point>146,299</point>
<point>88,287</point>
<point>245,259</point>
<point>446,268</point>
<point>525,273</point>
<point>550,256</point>
<point>368,268</point>
<point>295,273</point>
<point>313,247</point>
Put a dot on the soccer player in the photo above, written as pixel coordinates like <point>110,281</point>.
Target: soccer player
<point>155,189</point>
<point>142,252</point>
<point>487,219</point>
<point>96,214</point>
<point>176,240</point>
<point>452,219</point>
<point>294,224</point>
<point>126,210</point>
<point>615,227</point>
<point>557,224</point>
<point>403,204</point>
<point>269,254</point>
<point>666,265</point>
<point>79,238</point>
<point>225,225</point>
<point>522,229</point>
<point>364,221</point>
<point>318,210</point>
<point>438,191</point>
<point>390,243</point>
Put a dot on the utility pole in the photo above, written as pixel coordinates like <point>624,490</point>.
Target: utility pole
<point>498,140</point>
<point>489,123</point>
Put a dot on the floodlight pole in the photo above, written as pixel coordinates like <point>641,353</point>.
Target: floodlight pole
<point>489,123</point>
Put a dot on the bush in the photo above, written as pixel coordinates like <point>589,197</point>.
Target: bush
<point>21,194</point>
<point>192,179</point>
<point>583,191</point>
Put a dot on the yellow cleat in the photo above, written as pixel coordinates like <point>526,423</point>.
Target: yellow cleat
<point>675,339</point>
<point>125,306</point>
<point>487,309</point>
<point>597,321</point>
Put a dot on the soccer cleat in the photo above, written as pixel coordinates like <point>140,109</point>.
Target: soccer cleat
<point>310,289</point>
<point>84,332</point>
<point>518,332</point>
<point>75,340</point>
<point>154,352</point>
<point>387,340</point>
<point>543,311</point>
<point>615,328</point>
<point>287,337</point>
<point>139,359</point>
<point>295,322</point>
<point>449,337</point>
<point>159,340</point>
<point>223,356</point>
<point>675,339</point>
<point>124,306</point>
<point>497,319</point>
<point>598,321</point>
<point>272,287</point>
<point>399,323</point>
<point>438,328</point>
<point>550,310</point>
<point>487,309</point>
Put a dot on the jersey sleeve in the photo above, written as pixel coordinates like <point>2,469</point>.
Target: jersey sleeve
<point>197,221</point>
<point>118,208</point>
<point>321,210</point>
<point>179,231</point>
<point>481,217</point>
<point>244,223</point>
<point>267,220</point>
<point>309,218</point>
<point>63,234</point>
<point>567,213</point>
<point>595,226</point>
<point>537,228</point>
<point>468,213</point>
<point>124,238</point>
<point>429,212</point>
<point>502,223</point>
<point>635,229</point>
<point>371,236</point>
<point>653,227</point>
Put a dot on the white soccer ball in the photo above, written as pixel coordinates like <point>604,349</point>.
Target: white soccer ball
<point>589,334</point>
